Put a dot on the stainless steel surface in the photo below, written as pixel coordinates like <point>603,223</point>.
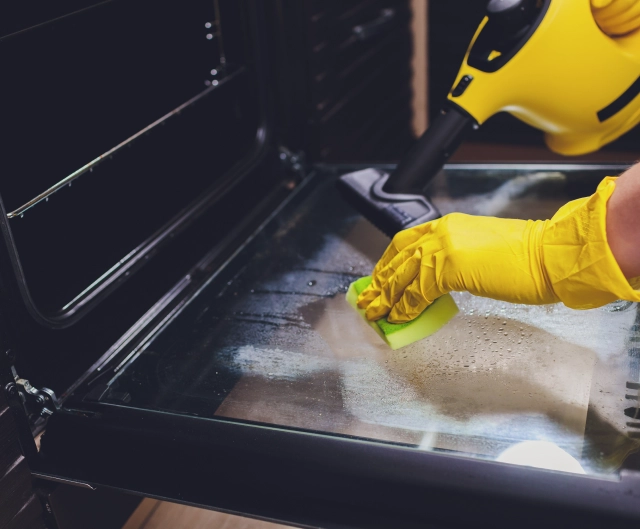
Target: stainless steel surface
<point>56,479</point>
<point>68,180</point>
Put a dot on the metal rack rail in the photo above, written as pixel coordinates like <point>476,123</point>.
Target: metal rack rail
<point>89,167</point>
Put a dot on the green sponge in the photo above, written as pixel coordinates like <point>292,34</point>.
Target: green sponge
<point>398,335</point>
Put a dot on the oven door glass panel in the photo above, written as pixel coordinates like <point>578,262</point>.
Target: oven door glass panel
<point>271,340</point>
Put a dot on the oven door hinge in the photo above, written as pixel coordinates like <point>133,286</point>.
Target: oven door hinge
<point>294,163</point>
<point>36,402</point>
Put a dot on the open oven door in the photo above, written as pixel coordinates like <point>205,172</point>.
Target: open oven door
<point>265,394</point>
<point>179,280</point>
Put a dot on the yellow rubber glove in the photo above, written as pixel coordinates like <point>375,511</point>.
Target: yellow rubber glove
<point>566,258</point>
<point>616,17</point>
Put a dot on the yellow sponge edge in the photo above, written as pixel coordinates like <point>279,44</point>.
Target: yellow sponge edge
<point>397,335</point>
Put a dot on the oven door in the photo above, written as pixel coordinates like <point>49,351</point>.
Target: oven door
<point>263,392</point>
<point>161,263</point>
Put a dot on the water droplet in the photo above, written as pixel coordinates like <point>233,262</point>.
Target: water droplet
<point>312,282</point>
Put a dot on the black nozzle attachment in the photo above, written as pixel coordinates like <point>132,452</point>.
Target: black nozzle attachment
<point>427,157</point>
<point>396,202</point>
<point>389,212</point>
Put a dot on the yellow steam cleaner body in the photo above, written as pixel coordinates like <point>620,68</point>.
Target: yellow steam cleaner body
<point>544,61</point>
<point>567,78</point>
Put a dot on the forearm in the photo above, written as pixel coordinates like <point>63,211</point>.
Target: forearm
<point>623,222</point>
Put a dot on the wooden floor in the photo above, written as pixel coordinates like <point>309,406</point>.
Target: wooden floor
<point>153,514</point>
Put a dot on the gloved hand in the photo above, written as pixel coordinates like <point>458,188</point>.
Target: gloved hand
<point>566,258</point>
<point>616,17</point>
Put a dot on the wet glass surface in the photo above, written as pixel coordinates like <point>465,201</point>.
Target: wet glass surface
<point>272,340</point>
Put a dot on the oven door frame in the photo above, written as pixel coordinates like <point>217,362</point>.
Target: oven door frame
<point>315,479</point>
